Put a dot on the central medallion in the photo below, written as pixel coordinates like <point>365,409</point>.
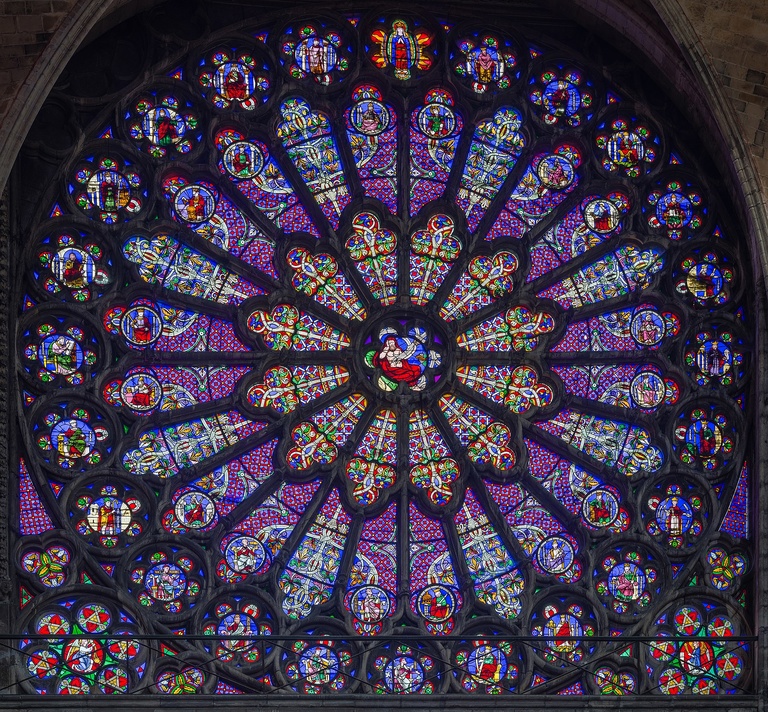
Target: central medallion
<point>404,355</point>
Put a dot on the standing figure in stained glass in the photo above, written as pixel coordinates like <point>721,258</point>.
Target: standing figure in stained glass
<point>674,519</point>
<point>400,47</point>
<point>108,193</point>
<point>560,99</point>
<point>490,666</point>
<point>402,50</point>
<point>673,213</point>
<point>316,57</point>
<point>485,65</point>
<point>104,514</point>
<point>167,132</point>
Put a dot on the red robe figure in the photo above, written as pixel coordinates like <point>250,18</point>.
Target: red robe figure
<point>166,131</point>
<point>234,84</point>
<point>400,46</point>
<point>142,327</point>
<point>485,66</point>
<point>195,206</point>
<point>602,218</point>
<point>560,98</point>
<point>141,397</point>
<point>675,519</point>
<point>489,667</point>
<point>194,511</point>
<point>397,360</point>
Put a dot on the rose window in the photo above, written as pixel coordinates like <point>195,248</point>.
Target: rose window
<point>342,336</point>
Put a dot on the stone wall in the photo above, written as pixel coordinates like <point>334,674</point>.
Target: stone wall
<point>734,33</point>
<point>25,30</point>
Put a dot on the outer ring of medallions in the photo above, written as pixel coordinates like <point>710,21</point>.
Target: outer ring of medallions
<point>407,318</point>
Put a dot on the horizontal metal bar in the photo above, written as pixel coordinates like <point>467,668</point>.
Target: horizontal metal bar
<point>388,639</point>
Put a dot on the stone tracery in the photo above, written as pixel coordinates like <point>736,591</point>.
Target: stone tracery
<point>490,274</point>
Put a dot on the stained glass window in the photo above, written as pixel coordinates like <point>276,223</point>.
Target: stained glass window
<point>380,354</point>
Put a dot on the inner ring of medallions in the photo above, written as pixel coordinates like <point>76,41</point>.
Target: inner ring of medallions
<point>404,354</point>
